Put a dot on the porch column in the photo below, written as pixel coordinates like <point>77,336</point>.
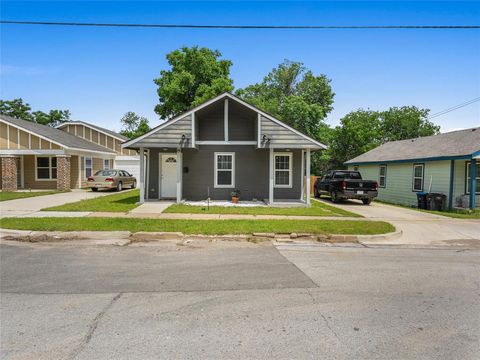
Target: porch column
<point>270,172</point>
<point>307,185</point>
<point>9,173</point>
<point>302,188</point>
<point>63,172</point>
<point>179,175</point>
<point>473,182</point>
<point>142,176</point>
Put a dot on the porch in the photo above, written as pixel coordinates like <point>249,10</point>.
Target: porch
<point>274,177</point>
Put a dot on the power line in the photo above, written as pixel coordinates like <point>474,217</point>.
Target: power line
<point>453,108</point>
<point>191,26</point>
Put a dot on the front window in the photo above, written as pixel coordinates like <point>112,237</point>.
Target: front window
<point>477,191</point>
<point>88,166</point>
<point>283,170</point>
<point>46,168</point>
<point>106,164</point>
<point>382,176</point>
<point>224,170</point>
<point>417,177</point>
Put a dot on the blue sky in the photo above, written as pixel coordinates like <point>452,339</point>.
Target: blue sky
<point>101,73</point>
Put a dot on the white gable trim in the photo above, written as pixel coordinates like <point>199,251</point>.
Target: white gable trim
<point>201,106</point>
<point>90,127</point>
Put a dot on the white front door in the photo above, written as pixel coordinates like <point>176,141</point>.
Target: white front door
<point>168,175</point>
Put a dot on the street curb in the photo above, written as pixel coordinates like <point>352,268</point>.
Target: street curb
<point>123,238</point>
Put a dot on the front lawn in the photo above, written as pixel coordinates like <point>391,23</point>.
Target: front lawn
<point>13,195</point>
<point>207,227</point>
<point>317,209</point>
<point>117,202</point>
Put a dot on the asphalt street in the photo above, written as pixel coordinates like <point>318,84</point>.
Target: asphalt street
<point>238,301</point>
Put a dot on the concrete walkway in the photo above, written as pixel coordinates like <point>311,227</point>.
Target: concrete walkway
<point>30,206</point>
<point>418,228</point>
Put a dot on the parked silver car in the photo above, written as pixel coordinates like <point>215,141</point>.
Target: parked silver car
<point>110,179</point>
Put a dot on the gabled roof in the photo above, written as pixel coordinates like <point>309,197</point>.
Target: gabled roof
<point>455,144</point>
<point>211,101</point>
<point>94,127</point>
<point>56,136</point>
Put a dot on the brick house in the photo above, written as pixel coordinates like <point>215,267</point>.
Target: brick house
<point>35,156</point>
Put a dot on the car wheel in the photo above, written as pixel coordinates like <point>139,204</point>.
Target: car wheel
<point>334,197</point>
<point>94,189</point>
<point>119,186</point>
<point>367,201</point>
<point>134,185</point>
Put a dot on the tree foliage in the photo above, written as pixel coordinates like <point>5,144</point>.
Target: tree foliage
<point>195,75</point>
<point>363,130</point>
<point>133,125</point>
<point>18,109</point>
<point>295,95</point>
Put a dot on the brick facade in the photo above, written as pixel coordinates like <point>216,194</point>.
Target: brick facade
<point>63,172</point>
<point>9,173</point>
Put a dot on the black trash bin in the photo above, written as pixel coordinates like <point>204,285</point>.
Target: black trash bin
<point>436,201</point>
<point>422,200</point>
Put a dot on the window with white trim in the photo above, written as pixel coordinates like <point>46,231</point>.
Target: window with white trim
<point>106,164</point>
<point>417,183</point>
<point>477,191</point>
<point>283,170</point>
<point>46,168</point>
<point>382,176</point>
<point>224,170</point>
<point>88,166</point>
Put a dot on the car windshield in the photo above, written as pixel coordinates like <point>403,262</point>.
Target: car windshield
<point>106,173</point>
<point>347,175</point>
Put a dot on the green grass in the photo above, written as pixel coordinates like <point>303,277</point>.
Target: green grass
<point>13,195</point>
<point>317,209</point>
<point>117,202</point>
<point>208,227</point>
<point>454,213</point>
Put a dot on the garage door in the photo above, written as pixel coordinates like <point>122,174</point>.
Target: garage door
<point>130,164</point>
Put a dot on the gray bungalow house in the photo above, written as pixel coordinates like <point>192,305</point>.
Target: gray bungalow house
<point>446,163</point>
<point>222,145</point>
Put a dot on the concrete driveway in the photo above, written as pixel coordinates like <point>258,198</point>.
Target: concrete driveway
<point>27,206</point>
<point>418,228</point>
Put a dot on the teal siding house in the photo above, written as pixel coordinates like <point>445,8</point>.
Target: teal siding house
<point>447,163</point>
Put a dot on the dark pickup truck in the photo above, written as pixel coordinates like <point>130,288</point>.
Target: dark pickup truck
<point>345,184</point>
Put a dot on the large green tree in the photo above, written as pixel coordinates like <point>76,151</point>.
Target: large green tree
<point>133,125</point>
<point>363,130</point>
<point>295,95</point>
<point>18,109</point>
<point>195,75</point>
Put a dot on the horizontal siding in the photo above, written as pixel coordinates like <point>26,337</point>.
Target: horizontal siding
<point>398,189</point>
<point>169,136</point>
<point>281,136</point>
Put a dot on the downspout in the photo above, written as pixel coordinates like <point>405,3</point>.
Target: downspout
<point>450,193</point>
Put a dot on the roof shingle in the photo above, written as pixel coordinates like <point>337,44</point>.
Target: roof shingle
<point>451,144</point>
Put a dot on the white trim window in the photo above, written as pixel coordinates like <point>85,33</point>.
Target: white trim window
<point>382,176</point>
<point>417,183</point>
<point>88,166</point>
<point>283,170</point>
<point>45,168</point>
<point>224,170</point>
<point>468,178</point>
<point>106,164</point>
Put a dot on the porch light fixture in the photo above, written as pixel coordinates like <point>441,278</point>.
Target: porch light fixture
<point>265,139</point>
